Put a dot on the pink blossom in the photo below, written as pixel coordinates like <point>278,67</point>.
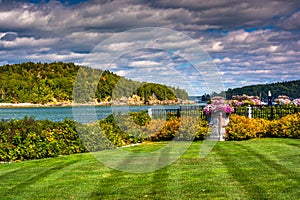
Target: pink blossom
<point>256,101</point>
<point>283,101</point>
<point>218,106</point>
<point>296,102</point>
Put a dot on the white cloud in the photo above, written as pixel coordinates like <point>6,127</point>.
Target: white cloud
<point>217,46</point>
<point>51,57</point>
<point>238,36</point>
<point>272,48</point>
<point>144,63</point>
<point>120,46</point>
<point>29,42</point>
<point>224,60</point>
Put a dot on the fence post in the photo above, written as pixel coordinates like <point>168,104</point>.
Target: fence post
<point>272,112</point>
<point>249,112</point>
<point>150,112</point>
<point>178,113</point>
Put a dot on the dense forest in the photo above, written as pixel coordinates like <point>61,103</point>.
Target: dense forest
<point>55,82</point>
<point>288,88</point>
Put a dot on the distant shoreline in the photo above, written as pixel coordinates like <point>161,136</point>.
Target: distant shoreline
<point>30,105</point>
<point>70,104</point>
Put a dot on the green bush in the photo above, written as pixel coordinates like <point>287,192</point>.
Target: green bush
<point>31,139</point>
<point>124,129</point>
<point>93,137</point>
<point>140,118</point>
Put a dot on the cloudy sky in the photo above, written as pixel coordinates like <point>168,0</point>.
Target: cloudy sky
<point>247,42</point>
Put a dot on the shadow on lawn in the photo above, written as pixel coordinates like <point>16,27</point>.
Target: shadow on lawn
<point>263,168</point>
<point>8,175</point>
<point>280,169</point>
<point>34,176</point>
<point>160,177</point>
<point>120,185</point>
<point>234,164</point>
<point>114,184</point>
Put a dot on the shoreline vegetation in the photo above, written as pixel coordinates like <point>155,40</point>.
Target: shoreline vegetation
<point>115,103</point>
<point>60,84</point>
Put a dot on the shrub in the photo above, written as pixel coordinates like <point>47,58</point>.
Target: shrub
<point>93,138</point>
<point>193,128</point>
<point>124,129</point>
<point>140,118</point>
<point>168,131</point>
<point>243,128</point>
<point>185,128</point>
<point>138,127</point>
<point>288,126</point>
<point>31,139</point>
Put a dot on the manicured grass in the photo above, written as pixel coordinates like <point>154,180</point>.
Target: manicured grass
<point>254,169</point>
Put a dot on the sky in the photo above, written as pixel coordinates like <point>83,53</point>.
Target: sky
<point>197,45</point>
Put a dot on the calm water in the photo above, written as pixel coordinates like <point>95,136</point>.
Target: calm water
<point>82,114</point>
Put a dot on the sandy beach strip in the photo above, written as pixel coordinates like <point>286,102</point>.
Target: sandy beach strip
<point>7,105</point>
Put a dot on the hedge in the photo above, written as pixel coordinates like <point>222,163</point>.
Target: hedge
<point>242,128</point>
<point>33,139</point>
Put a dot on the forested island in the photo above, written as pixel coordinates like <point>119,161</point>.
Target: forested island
<point>53,83</point>
<point>288,88</point>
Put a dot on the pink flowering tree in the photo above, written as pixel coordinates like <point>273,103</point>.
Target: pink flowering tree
<point>245,102</point>
<point>283,101</point>
<point>296,102</point>
<point>236,103</point>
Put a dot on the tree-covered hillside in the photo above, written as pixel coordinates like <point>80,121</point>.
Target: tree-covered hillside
<point>289,88</point>
<point>54,82</point>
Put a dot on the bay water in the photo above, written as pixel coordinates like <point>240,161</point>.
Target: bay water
<point>79,113</point>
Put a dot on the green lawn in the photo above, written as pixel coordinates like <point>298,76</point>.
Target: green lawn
<point>254,169</point>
